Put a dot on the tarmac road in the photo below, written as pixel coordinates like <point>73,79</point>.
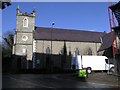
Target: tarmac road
<point>49,81</point>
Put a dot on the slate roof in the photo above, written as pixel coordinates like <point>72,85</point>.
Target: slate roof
<point>58,34</point>
<point>107,41</point>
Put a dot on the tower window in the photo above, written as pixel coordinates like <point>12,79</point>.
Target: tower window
<point>24,50</point>
<point>25,22</point>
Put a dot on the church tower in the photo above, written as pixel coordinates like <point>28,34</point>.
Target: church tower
<point>23,38</point>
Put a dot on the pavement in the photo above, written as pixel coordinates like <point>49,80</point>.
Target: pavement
<point>104,78</point>
<point>62,80</point>
<point>98,77</point>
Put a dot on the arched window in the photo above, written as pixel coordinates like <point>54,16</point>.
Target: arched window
<point>24,49</point>
<point>89,51</point>
<point>77,52</point>
<point>48,50</point>
<point>25,22</point>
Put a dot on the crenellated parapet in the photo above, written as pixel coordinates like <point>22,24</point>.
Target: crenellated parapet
<point>19,13</point>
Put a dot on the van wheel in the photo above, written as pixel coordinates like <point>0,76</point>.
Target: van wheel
<point>112,69</point>
<point>89,70</point>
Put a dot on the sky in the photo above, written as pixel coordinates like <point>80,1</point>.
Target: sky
<point>91,16</point>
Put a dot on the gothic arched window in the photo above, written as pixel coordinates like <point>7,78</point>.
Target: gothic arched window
<point>25,22</point>
<point>89,51</point>
<point>48,50</point>
<point>77,52</point>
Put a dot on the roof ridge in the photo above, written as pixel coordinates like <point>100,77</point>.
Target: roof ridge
<point>71,29</point>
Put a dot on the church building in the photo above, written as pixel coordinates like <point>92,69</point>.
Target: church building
<point>45,47</point>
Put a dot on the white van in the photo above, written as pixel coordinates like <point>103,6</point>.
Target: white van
<point>94,63</point>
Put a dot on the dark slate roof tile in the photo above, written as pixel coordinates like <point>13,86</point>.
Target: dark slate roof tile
<point>43,33</point>
<point>107,41</point>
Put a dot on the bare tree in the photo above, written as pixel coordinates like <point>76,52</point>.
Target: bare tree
<point>4,3</point>
<point>7,44</point>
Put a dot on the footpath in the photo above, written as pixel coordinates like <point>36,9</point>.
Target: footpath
<point>104,78</point>
<point>96,77</point>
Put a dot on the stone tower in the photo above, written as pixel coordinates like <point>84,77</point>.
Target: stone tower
<point>23,39</point>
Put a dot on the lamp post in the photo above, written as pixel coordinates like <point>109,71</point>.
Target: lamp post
<point>51,45</point>
<point>51,35</point>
